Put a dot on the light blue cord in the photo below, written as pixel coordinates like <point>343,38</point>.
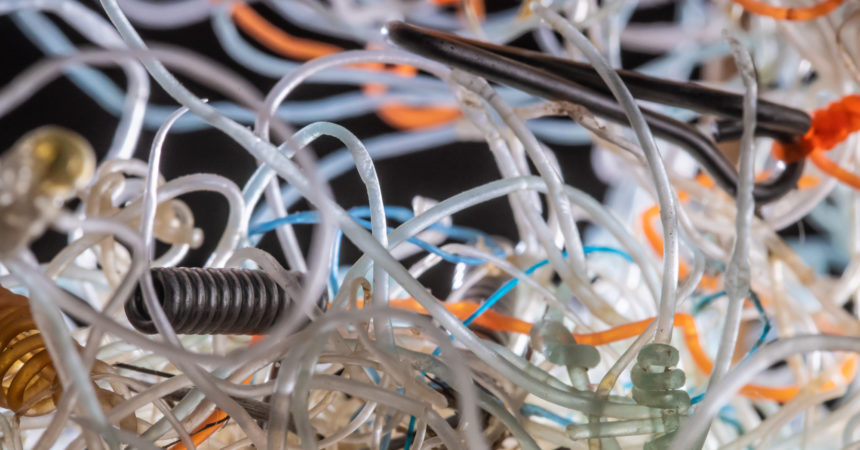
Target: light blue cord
<point>398,213</point>
<point>311,217</point>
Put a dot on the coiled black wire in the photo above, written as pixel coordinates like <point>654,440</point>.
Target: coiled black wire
<point>214,301</point>
<point>559,79</point>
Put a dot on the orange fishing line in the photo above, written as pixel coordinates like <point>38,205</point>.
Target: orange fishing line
<point>793,14</point>
<point>499,322</point>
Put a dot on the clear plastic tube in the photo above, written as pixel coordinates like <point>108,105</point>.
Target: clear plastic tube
<point>30,80</point>
<point>762,359</point>
<point>573,272</point>
<point>43,33</point>
<point>530,229</point>
<point>737,279</point>
<point>290,370</point>
<point>786,413</point>
<point>166,15</point>
<point>491,190</point>
<point>398,401</point>
<point>665,194</point>
<point>11,436</point>
<point>60,344</point>
<point>556,302</point>
<point>331,321</point>
<point>150,296</point>
<point>288,83</point>
<point>97,30</point>
<point>119,296</point>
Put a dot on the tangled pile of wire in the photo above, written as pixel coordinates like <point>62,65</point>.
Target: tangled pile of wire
<point>678,312</point>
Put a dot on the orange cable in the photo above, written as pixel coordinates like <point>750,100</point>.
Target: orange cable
<point>477,5</point>
<point>830,126</point>
<point>211,424</point>
<point>655,239</point>
<point>395,114</point>
<point>793,14</point>
<point>829,167</point>
<point>405,117</point>
<point>276,39</point>
<point>202,433</point>
<point>499,322</point>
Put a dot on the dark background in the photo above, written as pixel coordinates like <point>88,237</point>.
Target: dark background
<point>437,173</point>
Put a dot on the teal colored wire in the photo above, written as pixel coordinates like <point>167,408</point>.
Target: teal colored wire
<point>705,301</point>
<point>766,325</point>
<point>728,416</point>
<point>507,287</point>
<point>756,301</point>
<point>456,232</point>
<point>398,213</point>
<point>333,277</point>
<point>311,218</point>
<point>530,410</point>
<point>410,434</point>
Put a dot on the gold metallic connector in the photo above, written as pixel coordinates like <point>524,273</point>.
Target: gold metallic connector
<point>44,169</point>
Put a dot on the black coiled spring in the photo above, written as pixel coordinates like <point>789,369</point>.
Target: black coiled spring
<point>214,301</point>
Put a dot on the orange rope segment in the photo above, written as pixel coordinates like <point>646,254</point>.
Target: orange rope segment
<point>395,114</point>
<point>213,423</point>
<point>791,14</point>
<point>655,239</point>
<point>829,167</point>
<point>499,322</point>
<point>276,39</point>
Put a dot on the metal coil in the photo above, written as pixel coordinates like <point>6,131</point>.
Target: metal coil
<point>33,386</point>
<point>30,384</point>
<point>213,301</point>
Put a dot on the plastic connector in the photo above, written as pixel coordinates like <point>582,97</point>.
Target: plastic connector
<point>658,385</point>
<point>557,343</point>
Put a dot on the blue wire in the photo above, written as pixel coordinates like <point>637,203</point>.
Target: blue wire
<point>704,302</point>
<point>333,277</point>
<point>398,213</point>
<point>410,434</point>
<point>459,233</point>
<point>311,217</point>
<point>529,410</point>
<point>727,415</point>
<point>507,287</point>
<point>765,329</point>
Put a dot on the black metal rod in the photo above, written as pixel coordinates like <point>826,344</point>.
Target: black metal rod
<point>550,82</point>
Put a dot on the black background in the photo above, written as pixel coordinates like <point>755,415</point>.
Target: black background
<point>437,173</point>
